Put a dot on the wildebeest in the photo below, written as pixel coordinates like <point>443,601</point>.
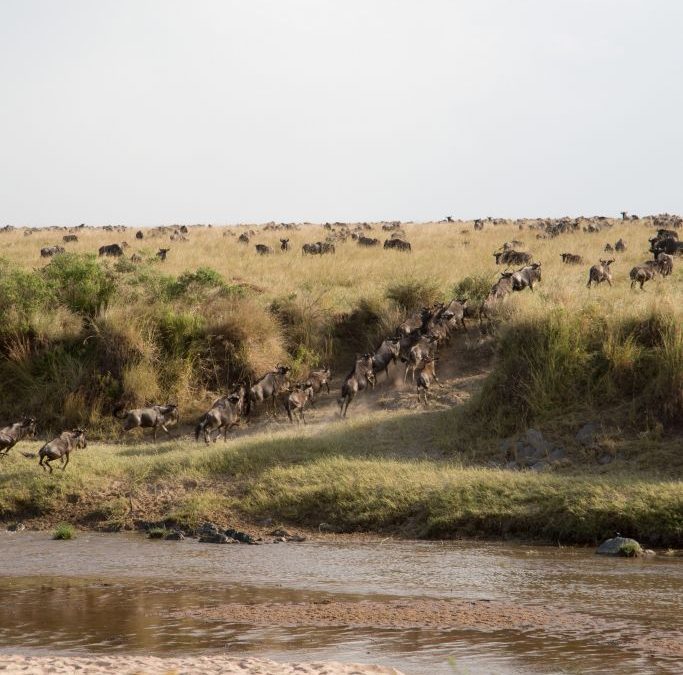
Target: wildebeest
<point>60,447</point>
<point>608,248</point>
<point>49,251</point>
<point>665,264</point>
<point>620,246</point>
<point>642,273</point>
<point>667,245</point>
<point>425,375</point>
<point>512,257</point>
<point>139,234</point>
<point>386,354</point>
<point>296,401</point>
<point>599,273</point>
<point>367,241</point>
<point>284,244</point>
<point>455,311</point>
<point>70,237</point>
<point>499,291</point>
<point>357,380</point>
<point>262,249</point>
<point>269,387</point>
<point>162,253</point>
<point>571,258</point>
<point>154,417</point>
<point>527,276</point>
<point>398,245</point>
<point>317,379</point>
<point>425,347</point>
<point>478,224</point>
<point>243,238</point>
<point>136,258</point>
<point>225,413</point>
<point>111,249</point>
<point>11,435</point>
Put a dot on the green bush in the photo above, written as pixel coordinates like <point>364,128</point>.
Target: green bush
<point>80,283</point>
<point>473,288</point>
<point>22,295</point>
<point>64,531</point>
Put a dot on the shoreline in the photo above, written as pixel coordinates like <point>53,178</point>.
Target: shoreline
<point>153,665</point>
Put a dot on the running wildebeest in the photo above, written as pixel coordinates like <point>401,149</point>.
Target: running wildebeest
<point>152,417</point>
<point>599,273</point>
<point>425,375</point>
<point>225,413</point>
<point>357,380</point>
<point>387,354</point>
<point>262,249</point>
<point>49,251</point>
<point>162,253</point>
<point>526,277</point>
<point>664,263</point>
<point>111,249</point>
<point>269,387</point>
<point>317,379</point>
<point>296,402</point>
<point>642,273</point>
<point>284,244</point>
<point>60,447</point>
<point>424,348</point>
<point>11,435</point>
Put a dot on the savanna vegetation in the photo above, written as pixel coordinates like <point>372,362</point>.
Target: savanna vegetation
<point>80,334</point>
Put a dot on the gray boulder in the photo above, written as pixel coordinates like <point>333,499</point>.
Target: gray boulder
<point>586,434</point>
<point>535,439</point>
<point>623,546</point>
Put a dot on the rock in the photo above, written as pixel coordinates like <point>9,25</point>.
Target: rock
<point>207,528</point>
<point>16,527</point>
<point>623,546</point>
<point>539,466</point>
<point>586,434</point>
<point>216,538</point>
<point>528,455</point>
<point>507,446</point>
<point>242,537</point>
<point>177,535</point>
<point>557,455</point>
<point>535,439</point>
<point>326,527</point>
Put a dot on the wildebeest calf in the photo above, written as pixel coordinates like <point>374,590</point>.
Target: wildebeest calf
<point>296,402</point>
<point>60,447</point>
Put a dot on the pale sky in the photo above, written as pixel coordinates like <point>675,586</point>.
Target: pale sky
<point>144,112</point>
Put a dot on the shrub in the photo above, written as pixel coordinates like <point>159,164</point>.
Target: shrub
<point>410,296</point>
<point>80,283</point>
<point>22,296</point>
<point>64,532</point>
<point>475,288</point>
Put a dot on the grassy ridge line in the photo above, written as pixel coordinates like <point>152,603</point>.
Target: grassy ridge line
<point>370,474</point>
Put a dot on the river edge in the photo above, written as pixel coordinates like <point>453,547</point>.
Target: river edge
<point>152,665</point>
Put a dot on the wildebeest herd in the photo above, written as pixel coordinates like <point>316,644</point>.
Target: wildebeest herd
<point>415,342</point>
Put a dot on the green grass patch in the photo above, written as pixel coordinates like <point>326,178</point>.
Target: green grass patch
<point>64,531</point>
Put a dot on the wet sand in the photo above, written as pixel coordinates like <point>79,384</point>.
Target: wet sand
<point>150,665</point>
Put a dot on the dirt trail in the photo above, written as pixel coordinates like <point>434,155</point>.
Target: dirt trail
<point>462,367</point>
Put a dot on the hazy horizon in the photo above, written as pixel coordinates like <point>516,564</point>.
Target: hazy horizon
<point>155,112</point>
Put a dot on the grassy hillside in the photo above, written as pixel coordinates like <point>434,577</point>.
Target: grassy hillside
<point>80,334</point>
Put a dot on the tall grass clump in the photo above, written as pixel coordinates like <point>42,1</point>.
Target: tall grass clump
<point>554,362</point>
<point>64,532</point>
<point>410,296</point>
<point>474,288</point>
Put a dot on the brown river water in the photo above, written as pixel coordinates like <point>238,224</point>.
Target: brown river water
<point>422,607</point>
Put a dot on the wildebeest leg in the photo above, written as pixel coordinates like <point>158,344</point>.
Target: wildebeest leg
<point>327,384</point>
<point>155,432</point>
<point>40,463</point>
<point>288,408</point>
<point>47,463</point>
<point>65,462</point>
<point>609,282</point>
<point>302,416</point>
<point>164,428</point>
